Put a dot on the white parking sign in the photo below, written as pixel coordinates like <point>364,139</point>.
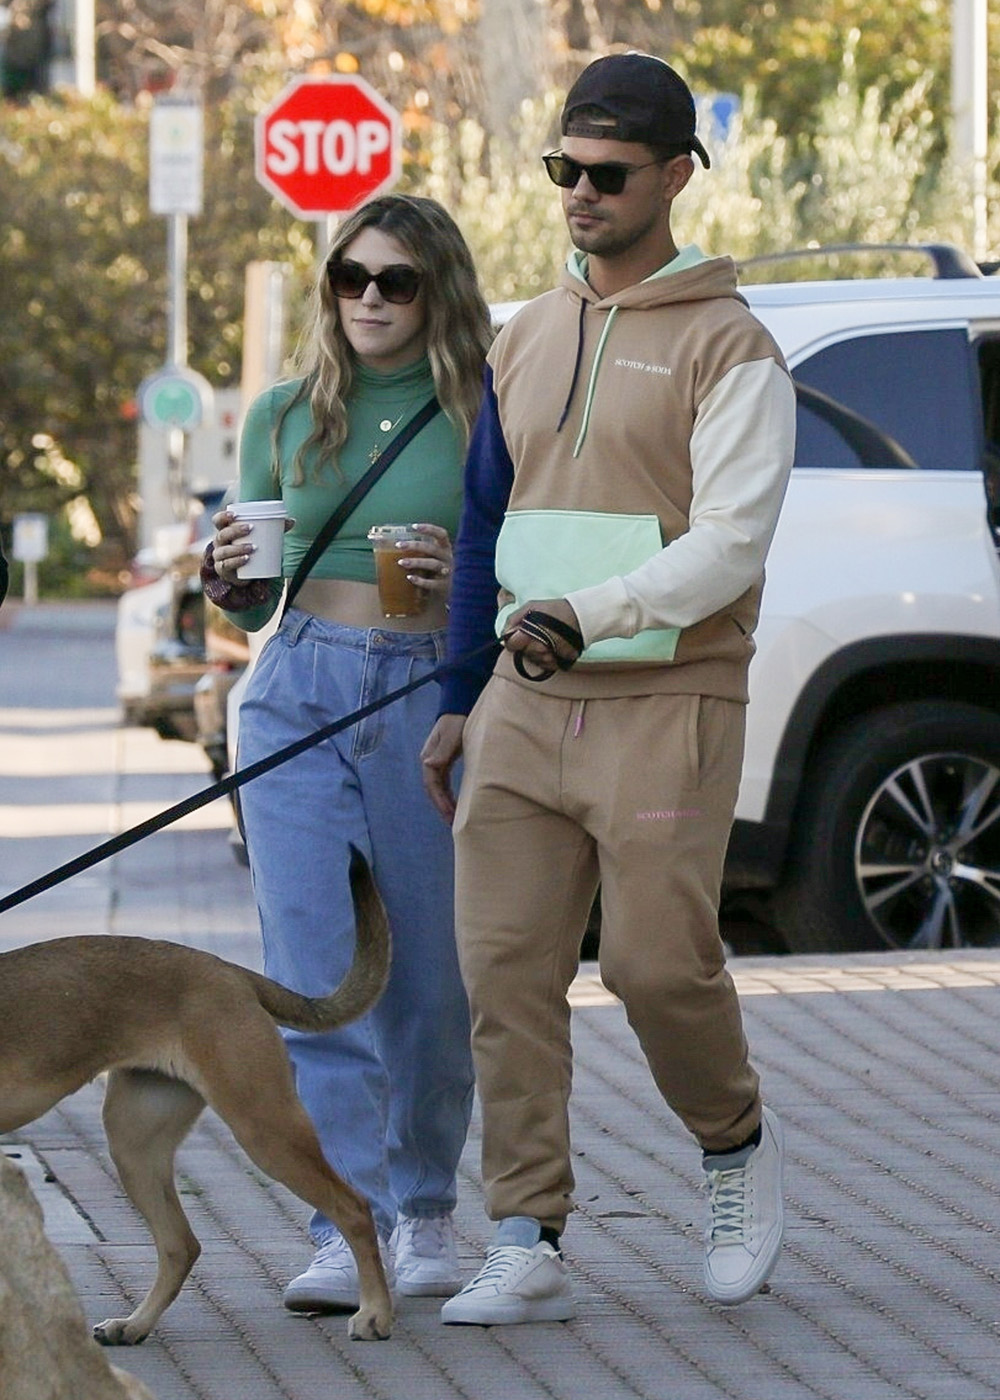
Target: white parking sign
<point>31,537</point>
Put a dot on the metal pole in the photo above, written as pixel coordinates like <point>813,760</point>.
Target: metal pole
<point>84,48</point>
<point>326,227</point>
<point>177,256</point>
<point>30,583</point>
<point>177,353</point>
<point>969,98</point>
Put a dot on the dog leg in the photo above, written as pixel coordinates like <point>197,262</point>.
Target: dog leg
<point>292,1155</point>
<point>271,1125</point>
<point>146,1117</point>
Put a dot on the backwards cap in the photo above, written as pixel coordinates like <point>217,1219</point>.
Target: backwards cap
<point>646,99</point>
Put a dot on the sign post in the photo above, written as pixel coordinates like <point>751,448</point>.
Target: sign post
<point>31,546</point>
<point>175,189</point>
<point>175,399</point>
<point>325,145</point>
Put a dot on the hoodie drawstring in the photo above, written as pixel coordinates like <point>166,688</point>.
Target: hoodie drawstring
<point>592,386</point>
<point>576,367</point>
<point>578,722</point>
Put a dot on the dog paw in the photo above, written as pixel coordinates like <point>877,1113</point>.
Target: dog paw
<point>115,1332</point>
<point>369,1326</point>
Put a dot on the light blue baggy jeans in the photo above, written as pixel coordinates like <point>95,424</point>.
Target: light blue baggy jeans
<point>391,1094</point>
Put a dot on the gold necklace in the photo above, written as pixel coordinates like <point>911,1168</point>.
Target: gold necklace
<point>386,426</point>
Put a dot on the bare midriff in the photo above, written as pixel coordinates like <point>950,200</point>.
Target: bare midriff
<point>357,605</point>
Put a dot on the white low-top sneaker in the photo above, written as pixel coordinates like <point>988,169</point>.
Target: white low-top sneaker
<point>518,1283</point>
<point>746,1216</point>
<point>330,1284</point>
<point>425,1256</point>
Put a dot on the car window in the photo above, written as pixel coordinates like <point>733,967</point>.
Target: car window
<point>908,398</point>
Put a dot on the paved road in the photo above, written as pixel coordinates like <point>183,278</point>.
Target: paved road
<point>884,1069</point>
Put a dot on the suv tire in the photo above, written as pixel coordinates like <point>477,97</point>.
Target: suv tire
<point>897,843</point>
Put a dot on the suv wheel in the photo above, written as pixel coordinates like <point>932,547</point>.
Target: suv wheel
<point>897,843</point>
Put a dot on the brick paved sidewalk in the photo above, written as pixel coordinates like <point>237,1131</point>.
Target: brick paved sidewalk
<point>883,1068</point>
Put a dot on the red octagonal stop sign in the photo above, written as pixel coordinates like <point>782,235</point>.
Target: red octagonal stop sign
<point>325,145</point>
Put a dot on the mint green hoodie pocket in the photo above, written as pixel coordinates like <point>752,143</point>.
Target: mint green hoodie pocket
<point>549,553</point>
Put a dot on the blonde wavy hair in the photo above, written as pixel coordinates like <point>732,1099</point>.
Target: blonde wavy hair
<point>457,321</point>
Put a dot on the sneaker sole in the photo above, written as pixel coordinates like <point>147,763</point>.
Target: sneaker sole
<point>442,1288</point>
<point>751,1285</point>
<point>542,1310</point>
<point>319,1303</point>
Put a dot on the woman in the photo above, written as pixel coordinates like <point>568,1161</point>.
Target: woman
<point>398,316</point>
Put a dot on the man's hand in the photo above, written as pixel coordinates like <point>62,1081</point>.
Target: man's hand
<point>547,658</point>
<point>437,758</point>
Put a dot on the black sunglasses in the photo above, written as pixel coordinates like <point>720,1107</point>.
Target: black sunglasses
<point>607,176</point>
<point>399,283</point>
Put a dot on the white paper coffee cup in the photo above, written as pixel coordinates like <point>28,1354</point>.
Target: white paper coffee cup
<point>267,532</point>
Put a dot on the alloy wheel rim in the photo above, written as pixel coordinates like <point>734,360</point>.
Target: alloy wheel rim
<point>927,854</point>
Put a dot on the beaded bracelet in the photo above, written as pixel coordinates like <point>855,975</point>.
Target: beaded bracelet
<point>231,597</point>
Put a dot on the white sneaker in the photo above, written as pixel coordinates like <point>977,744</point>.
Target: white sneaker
<point>517,1283</point>
<point>330,1284</point>
<point>425,1256</point>
<point>746,1217</point>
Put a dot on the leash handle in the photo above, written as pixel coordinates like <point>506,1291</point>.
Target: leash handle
<point>540,625</point>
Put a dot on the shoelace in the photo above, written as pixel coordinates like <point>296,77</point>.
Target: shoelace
<point>332,1252</point>
<point>727,1193</point>
<point>498,1263</point>
<point>428,1235</point>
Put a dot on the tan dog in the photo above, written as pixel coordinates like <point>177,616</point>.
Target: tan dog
<point>177,1028</point>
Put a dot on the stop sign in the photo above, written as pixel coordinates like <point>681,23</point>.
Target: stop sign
<point>325,145</point>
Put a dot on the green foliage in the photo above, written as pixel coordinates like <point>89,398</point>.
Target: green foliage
<point>85,294</point>
<point>67,571</point>
<point>872,174</point>
<point>750,201</point>
<point>79,328</point>
<point>791,53</point>
<point>502,200</point>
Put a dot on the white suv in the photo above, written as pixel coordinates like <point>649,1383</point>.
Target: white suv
<point>869,811</point>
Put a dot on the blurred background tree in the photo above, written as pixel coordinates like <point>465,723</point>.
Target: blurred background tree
<point>838,133</point>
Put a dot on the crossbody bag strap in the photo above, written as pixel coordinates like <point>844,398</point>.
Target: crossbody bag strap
<point>357,493</point>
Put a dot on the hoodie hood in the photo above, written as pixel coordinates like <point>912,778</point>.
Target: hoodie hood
<point>688,277</point>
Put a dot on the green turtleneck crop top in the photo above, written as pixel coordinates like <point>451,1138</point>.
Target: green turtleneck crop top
<point>424,483</point>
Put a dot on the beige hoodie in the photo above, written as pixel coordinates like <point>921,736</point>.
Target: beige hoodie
<point>667,399</point>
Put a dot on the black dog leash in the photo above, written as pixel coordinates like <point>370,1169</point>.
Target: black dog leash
<point>225,786</point>
<point>540,626</point>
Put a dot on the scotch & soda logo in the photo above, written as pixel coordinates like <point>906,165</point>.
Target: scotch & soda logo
<point>644,366</point>
<point>668,814</point>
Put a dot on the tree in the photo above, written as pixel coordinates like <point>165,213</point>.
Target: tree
<point>790,54</point>
<point>85,293</point>
<point>826,145</point>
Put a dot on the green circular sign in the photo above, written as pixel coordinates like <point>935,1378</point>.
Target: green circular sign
<point>174,398</point>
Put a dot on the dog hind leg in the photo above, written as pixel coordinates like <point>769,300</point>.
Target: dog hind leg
<point>269,1122</point>
<point>146,1117</point>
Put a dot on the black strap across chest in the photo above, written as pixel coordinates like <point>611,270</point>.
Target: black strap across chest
<point>357,493</point>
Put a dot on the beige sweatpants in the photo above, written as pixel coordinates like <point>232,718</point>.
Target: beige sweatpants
<point>557,795</point>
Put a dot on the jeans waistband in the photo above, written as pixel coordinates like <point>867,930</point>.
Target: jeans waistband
<point>297,623</point>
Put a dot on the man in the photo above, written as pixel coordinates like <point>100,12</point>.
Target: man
<point>622,488</point>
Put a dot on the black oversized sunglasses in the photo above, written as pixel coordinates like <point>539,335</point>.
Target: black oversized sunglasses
<point>398,283</point>
<point>606,176</point>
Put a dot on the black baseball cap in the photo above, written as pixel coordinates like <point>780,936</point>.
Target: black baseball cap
<point>647,100</point>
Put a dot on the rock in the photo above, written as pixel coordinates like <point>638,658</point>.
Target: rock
<point>46,1350</point>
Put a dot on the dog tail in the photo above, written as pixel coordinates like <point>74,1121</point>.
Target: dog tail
<point>366,977</point>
